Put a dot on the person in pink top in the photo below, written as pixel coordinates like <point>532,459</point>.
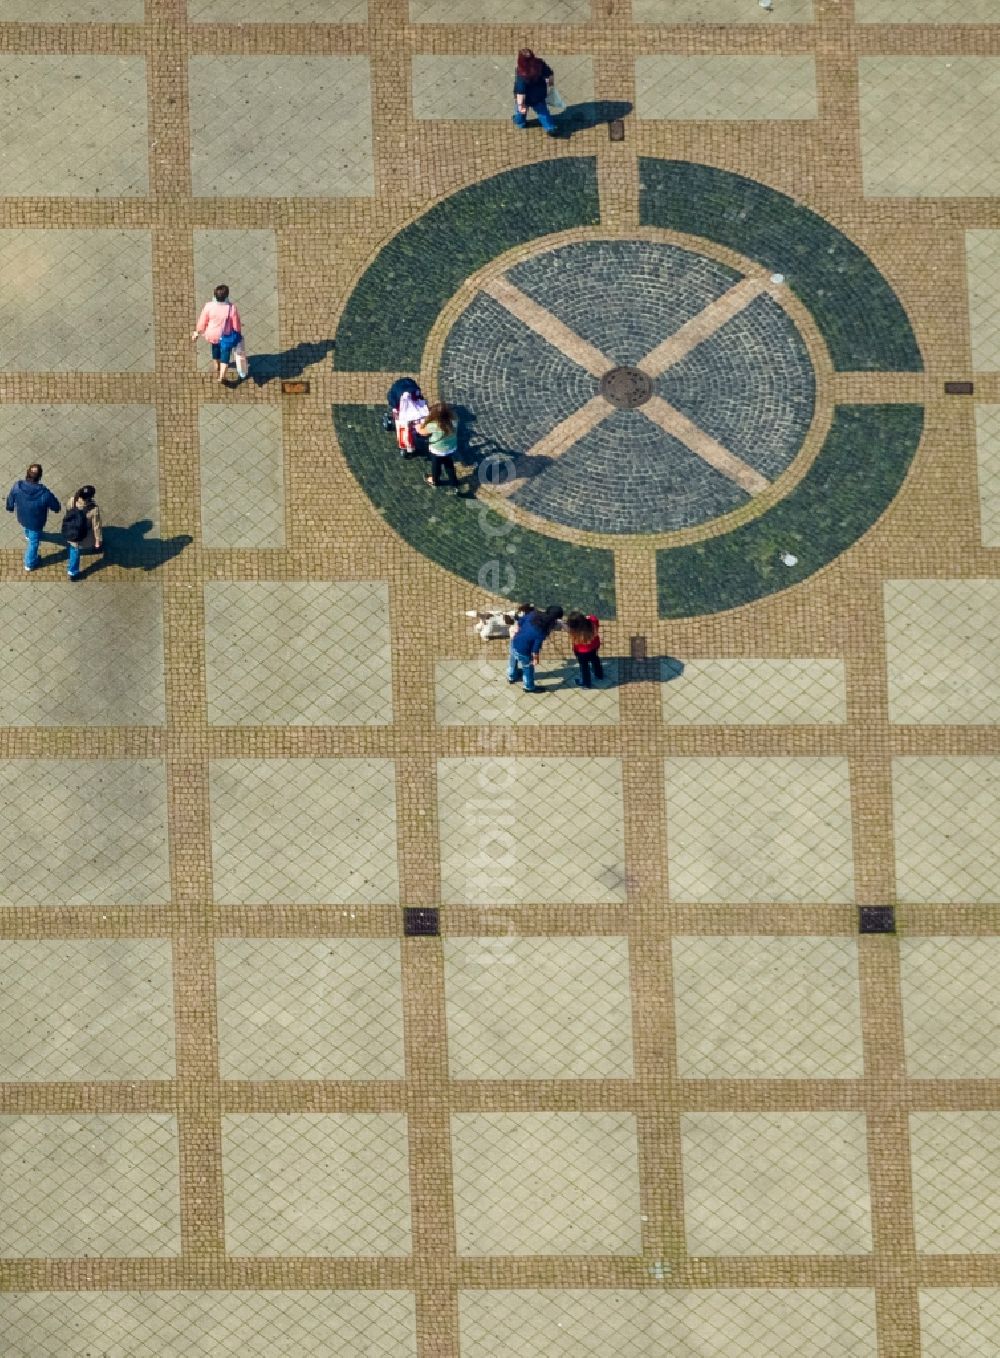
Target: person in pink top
<point>220,324</point>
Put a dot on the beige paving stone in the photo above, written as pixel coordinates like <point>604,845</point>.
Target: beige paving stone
<point>775,1008</point>
<point>316,1184</point>
<point>247,262</point>
<point>644,1323</point>
<point>715,87</point>
<point>942,641</point>
<point>982,261</point>
<point>925,12</point>
<point>83,832</point>
<point>929,126</point>
<point>498,11</point>
<point>74,11</point>
<point>58,310</point>
<point>246,1324</point>
<point>111,447</point>
<point>946,817</point>
<point>955,1160</point>
<point>490,848</point>
<point>720,12</point>
<point>280,11</point>
<point>988,465</point>
<point>242,476</point>
<point>75,125</point>
<point>309,1008</point>
<point>776,1183</point>
<point>476,693</point>
<point>754,692</point>
<point>96,1186</point>
<point>949,1004</point>
<point>281,127</point>
<point>301,653</point>
<point>44,679</point>
<point>963,1320</point>
<point>86,1009</point>
<point>546,1183</point>
<point>482,87</point>
<point>538,1008</point>
<point>303,831</point>
<point>759,829</point>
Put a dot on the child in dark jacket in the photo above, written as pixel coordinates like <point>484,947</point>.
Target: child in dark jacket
<point>585,639</point>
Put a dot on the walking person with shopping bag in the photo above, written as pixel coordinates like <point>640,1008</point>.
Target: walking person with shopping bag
<point>533,88</point>
<point>220,325</point>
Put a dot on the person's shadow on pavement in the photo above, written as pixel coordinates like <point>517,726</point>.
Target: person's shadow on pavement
<point>130,548</point>
<point>292,362</point>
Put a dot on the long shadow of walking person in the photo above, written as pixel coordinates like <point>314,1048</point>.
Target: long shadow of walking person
<point>132,548</point>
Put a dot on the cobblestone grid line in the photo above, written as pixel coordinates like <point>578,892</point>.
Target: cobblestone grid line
<point>648,1088</point>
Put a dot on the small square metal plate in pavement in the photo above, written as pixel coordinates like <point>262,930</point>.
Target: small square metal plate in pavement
<point>616,130</point>
<point>876,919</point>
<point>958,389</point>
<point>421,922</point>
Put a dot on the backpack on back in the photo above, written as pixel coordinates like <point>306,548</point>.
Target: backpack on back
<point>75,525</point>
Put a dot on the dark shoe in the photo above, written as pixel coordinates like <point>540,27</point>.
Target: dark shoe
<point>553,132</point>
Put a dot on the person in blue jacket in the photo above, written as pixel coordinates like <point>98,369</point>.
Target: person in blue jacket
<point>526,645</point>
<point>31,502</point>
<point>532,82</point>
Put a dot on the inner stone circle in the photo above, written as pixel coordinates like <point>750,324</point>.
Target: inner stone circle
<point>626,387</point>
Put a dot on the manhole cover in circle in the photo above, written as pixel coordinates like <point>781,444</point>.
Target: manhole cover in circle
<point>626,388</point>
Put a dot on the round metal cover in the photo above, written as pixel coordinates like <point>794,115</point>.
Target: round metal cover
<point>626,388</point>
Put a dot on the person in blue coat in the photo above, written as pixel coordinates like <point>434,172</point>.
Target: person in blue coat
<point>31,502</point>
<point>526,645</point>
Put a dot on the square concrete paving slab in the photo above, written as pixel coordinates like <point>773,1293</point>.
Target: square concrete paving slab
<point>96,1186</point>
<point>951,1024</point>
<point>75,125</point>
<point>776,1183</point>
<point>86,1009</point>
<point>42,681</point>
<point>247,262</point>
<point>83,832</point>
<point>754,692</point>
<point>476,693</point>
<point>942,641</point>
<point>772,1008</point>
<point>242,476</point>
<point>309,1008</point>
<point>930,126</point>
<point>720,12</point>
<point>982,261</point>
<point>745,830</point>
<point>280,11</point>
<point>683,88</point>
<point>498,12</point>
<point>75,11</point>
<point>488,812</point>
<point>546,1183</point>
<point>58,311</point>
<point>481,88</point>
<point>244,1324</point>
<point>304,831</point>
<point>302,653</point>
<point>645,1323</point>
<point>988,468</point>
<point>955,1163</point>
<point>946,817</point>
<point>962,1320</point>
<point>107,446</point>
<point>281,127</point>
<point>925,12</point>
<point>316,1184</point>
<point>538,1008</point>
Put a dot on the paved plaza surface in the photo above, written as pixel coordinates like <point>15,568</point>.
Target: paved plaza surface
<point>353,1002</point>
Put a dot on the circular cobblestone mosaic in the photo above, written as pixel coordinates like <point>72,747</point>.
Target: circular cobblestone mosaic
<point>642,387</point>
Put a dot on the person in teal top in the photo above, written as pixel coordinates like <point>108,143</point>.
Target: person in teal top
<point>441,431</point>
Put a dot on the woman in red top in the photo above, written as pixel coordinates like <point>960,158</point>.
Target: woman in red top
<point>586,642</point>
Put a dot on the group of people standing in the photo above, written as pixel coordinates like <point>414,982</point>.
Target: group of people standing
<point>531,629</point>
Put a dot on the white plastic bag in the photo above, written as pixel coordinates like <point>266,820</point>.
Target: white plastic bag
<point>555,100</point>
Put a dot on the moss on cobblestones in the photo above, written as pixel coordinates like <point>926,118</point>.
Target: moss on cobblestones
<point>390,313</point>
<point>463,534</point>
<point>858,472</point>
<point>858,314</point>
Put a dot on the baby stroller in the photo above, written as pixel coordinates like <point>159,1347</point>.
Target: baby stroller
<point>407,408</point>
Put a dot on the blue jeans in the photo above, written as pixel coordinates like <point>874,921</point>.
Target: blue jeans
<point>33,536</point>
<point>541,112</point>
<point>73,565</point>
<point>521,664</point>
